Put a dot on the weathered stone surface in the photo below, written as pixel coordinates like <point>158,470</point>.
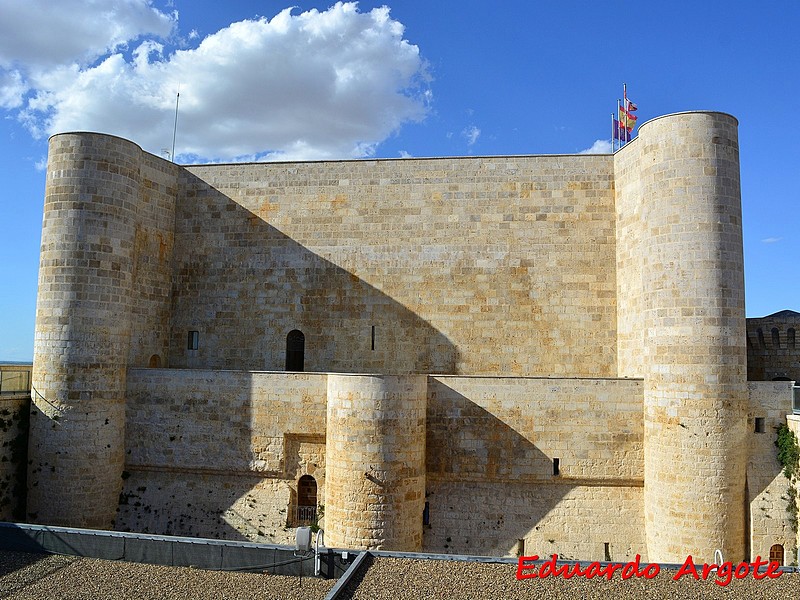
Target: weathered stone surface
<point>546,351</point>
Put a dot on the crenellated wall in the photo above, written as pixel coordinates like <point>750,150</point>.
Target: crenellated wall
<point>773,347</point>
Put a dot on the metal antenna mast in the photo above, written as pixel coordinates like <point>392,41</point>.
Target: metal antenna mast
<point>175,128</point>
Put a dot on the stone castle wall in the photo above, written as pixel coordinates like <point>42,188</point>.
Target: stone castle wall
<point>773,347</point>
<point>219,453</point>
<point>492,478</point>
<point>766,486</point>
<point>14,409</point>
<point>103,303</point>
<point>524,284</point>
<point>462,265</point>
<point>489,477</point>
<point>152,269</point>
<point>632,349</point>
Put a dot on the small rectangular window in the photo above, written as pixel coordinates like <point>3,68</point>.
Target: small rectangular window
<point>194,340</point>
<point>373,337</point>
<point>760,426</point>
<point>556,467</point>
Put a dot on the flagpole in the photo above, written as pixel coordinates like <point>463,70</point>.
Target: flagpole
<point>625,100</point>
<point>621,124</point>
<point>625,106</point>
<point>613,134</point>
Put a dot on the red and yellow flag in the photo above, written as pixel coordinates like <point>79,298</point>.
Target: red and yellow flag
<point>627,119</point>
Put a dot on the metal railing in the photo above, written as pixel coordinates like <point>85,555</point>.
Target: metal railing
<point>15,381</point>
<point>306,514</point>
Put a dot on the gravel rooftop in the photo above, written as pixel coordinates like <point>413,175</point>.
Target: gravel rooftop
<point>67,577</point>
<point>41,577</point>
<point>393,579</point>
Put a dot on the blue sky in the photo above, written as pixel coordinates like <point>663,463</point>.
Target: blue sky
<point>421,79</point>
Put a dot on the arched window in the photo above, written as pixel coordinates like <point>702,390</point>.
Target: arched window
<point>776,337</point>
<point>306,499</point>
<point>776,554</point>
<point>790,339</point>
<point>295,350</point>
<point>155,362</point>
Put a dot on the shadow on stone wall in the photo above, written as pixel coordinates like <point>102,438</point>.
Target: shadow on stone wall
<point>489,487</point>
<point>14,422</point>
<point>244,285</point>
<point>480,475</point>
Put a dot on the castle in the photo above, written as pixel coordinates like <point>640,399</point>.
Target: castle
<point>476,355</point>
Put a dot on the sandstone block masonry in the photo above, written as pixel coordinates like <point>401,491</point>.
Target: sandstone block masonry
<point>773,348</point>
<point>180,310</point>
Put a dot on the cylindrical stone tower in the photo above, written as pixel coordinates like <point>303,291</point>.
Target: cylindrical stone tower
<point>83,327</point>
<point>695,404</point>
<point>375,462</point>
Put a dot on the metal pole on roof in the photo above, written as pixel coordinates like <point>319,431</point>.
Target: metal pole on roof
<point>175,127</point>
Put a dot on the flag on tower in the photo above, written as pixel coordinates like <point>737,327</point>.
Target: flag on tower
<point>623,122</point>
<point>627,119</point>
<point>621,132</point>
<point>626,109</point>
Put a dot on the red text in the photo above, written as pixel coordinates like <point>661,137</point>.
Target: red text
<point>725,572</point>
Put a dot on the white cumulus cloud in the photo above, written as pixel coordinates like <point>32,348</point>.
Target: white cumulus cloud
<point>314,85</point>
<point>42,33</point>
<point>599,147</point>
<point>37,36</point>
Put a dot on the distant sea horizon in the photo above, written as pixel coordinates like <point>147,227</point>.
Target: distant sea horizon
<point>16,362</point>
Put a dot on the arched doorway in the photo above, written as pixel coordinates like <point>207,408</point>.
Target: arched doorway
<point>306,499</point>
<point>295,350</point>
<point>776,554</point>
